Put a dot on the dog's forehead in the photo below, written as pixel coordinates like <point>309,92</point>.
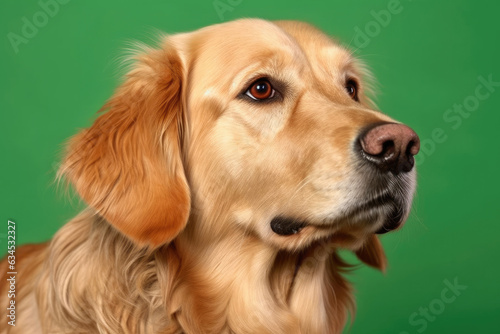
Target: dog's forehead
<point>238,41</point>
<point>232,47</point>
<point>253,35</point>
<point>326,57</point>
<point>248,30</point>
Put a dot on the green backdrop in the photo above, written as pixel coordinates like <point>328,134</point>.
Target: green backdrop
<point>437,64</point>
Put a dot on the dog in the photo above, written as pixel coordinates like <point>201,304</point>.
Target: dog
<point>222,178</point>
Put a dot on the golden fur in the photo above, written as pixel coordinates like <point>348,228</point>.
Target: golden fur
<point>182,176</point>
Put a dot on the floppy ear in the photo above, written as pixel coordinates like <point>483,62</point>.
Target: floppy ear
<point>128,164</point>
<point>372,253</point>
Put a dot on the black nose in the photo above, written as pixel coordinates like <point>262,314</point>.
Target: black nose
<point>390,147</point>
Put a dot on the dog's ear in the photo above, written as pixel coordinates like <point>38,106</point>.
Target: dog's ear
<point>128,164</point>
<point>372,253</point>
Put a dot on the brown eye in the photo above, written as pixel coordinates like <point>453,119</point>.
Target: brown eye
<point>261,90</point>
<point>352,89</point>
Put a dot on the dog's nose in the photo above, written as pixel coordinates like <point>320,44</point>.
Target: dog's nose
<point>390,147</point>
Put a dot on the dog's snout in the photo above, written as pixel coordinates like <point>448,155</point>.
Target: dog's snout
<point>390,147</point>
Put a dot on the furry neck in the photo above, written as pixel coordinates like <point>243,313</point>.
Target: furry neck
<point>239,284</point>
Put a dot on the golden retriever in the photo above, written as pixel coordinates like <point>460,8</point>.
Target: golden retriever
<point>222,179</point>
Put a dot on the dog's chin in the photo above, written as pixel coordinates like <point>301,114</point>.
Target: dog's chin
<point>348,229</point>
<point>394,220</point>
<point>386,206</point>
<point>381,216</point>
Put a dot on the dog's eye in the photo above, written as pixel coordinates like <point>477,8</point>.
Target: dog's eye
<point>261,90</point>
<point>351,87</point>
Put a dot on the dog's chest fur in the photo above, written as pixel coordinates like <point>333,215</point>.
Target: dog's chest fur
<point>237,286</point>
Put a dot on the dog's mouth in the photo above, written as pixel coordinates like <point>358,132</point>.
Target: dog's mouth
<point>384,212</point>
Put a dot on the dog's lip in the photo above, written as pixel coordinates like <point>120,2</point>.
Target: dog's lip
<point>286,226</point>
<point>381,199</point>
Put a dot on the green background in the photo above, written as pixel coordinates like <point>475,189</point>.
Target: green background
<point>427,59</point>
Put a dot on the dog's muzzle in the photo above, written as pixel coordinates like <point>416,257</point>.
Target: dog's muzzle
<point>389,150</point>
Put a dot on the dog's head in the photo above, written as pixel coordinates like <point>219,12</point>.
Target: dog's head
<point>250,126</point>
